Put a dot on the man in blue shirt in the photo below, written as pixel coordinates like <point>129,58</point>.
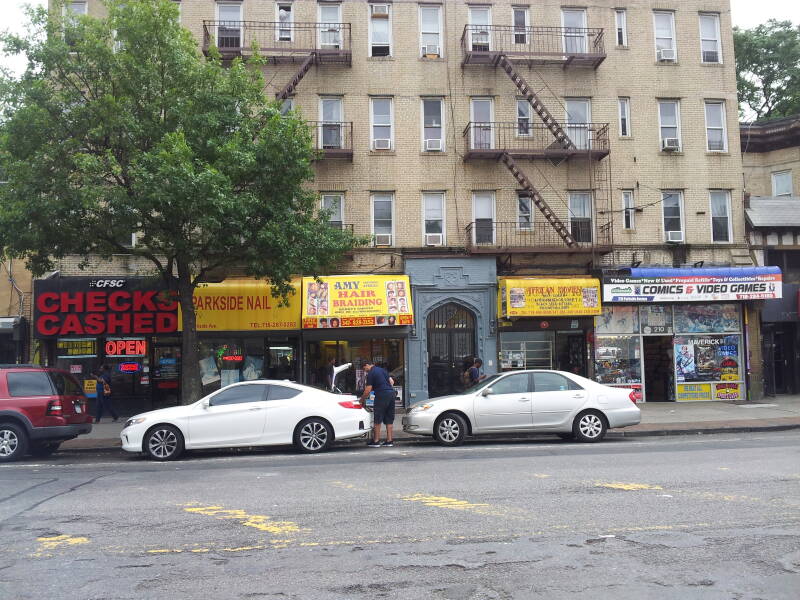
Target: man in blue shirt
<point>379,381</point>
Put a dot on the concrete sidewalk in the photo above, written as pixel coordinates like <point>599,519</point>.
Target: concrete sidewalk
<point>668,418</point>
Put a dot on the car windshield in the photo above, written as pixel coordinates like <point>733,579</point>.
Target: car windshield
<point>483,383</point>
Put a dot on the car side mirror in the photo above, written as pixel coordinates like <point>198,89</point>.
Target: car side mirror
<point>486,392</point>
<point>206,403</point>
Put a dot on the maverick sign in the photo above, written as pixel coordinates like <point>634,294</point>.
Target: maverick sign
<point>692,285</point>
<point>91,306</point>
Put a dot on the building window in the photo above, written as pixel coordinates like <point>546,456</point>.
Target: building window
<point>580,216</point>
<point>625,117</point>
<point>430,31</point>
<point>716,137</point>
<point>669,123</point>
<point>333,202</point>
<point>710,49</point>
<point>229,28</point>
<point>433,216</point>
<point>331,123</point>
<point>672,207</point>
<point>180,9</point>
<point>432,125</point>
<point>628,210</point>
<point>575,34</point>
<point>782,183</point>
<point>287,106</point>
<point>76,8</point>
<point>330,33</point>
<point>480,20</point>
<point>523,118</point>
<point>382,130</point>
<point>664,23</point>
<point>483,218</point>
<point>578,117</point>
<point>521,24</point>
<point>382,221</point>
<point>524,213</point>
<point>720,215</point>
<point>380,30</point>
<point>285,20</point>
<point>622,27</point>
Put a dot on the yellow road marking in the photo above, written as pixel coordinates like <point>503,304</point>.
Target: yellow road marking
<point>480,508</point>
<point>58,541</point>
<point>628,486</point>
<point>260,522</point>
<point>541,475</point>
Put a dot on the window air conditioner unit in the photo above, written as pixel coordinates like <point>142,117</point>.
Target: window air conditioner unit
<point>383,239</point>
<point>666,55</point>
<point>670,144</point>
<point>383,144</point>
<point>379,10</point>
<point>710,56</point>
<point>433,239</point>
<point>675,237</point>
<point>431,145</point>
<point>430,50</point>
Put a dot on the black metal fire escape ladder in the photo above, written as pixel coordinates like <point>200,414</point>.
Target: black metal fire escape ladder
<point>538,200</point>
<point>305,66</point>
<point>536,103</point>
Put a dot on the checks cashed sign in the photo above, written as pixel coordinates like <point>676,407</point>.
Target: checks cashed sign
<point>692,285</point>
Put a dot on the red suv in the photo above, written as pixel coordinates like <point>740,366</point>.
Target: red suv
<point>40,407</point>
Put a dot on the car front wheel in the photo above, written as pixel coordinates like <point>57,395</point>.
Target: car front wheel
<point>163,442</point>
<point>313,435</point>
<point>589,427</point>
<point>450,429</point>
<point>13,442</point>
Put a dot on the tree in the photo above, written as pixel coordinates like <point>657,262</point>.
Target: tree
<point>768,69</point>
<point>119,125</point>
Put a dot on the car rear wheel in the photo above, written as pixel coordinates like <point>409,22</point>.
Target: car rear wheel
<point>42,450</point>
<point>450,429</point>
<point>163,442</point>
<point>313,435</point>
<point>589,427</point>
<point>13,442</point>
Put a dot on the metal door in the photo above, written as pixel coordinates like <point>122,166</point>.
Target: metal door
<point>451,344</point>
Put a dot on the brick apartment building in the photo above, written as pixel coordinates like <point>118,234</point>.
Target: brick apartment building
<point>560,187</point>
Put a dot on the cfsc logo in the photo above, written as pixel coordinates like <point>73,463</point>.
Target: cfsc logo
<point>107,283</point>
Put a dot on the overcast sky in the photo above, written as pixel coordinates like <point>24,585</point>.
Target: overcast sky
<point>746,13</point>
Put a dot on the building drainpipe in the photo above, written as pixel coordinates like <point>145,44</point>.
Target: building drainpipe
<point>746,344</point>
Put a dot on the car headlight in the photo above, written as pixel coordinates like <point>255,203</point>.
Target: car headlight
<point>421,407</point>
<point>135,421</point>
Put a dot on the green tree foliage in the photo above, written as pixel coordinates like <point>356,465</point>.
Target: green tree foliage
<point>120,125</point>
<point>768,69</point>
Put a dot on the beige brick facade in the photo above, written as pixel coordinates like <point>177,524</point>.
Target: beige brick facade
<point>759,169</point>
<point>632,71</point>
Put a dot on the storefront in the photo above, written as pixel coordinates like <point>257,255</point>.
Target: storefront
<point>13,333</point>
<point>546,323</point>
<point>679,334</point>
<point>356,318</point>
<point>128,323</point>
<point>246,333</point>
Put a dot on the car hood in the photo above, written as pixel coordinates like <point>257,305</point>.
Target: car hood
<point>441,400</point>
<point>164,413</point>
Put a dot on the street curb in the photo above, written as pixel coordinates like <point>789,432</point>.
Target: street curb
<point>612,434</point>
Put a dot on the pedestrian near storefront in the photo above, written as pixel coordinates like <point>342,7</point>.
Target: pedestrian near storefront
<point>379,381</point>
<point>104,401</point>
<point>475,372</point>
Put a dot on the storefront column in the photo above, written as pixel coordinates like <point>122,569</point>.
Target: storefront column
<point>755,363</point>
<point>468,288</point>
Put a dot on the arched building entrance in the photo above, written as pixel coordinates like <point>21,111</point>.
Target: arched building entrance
<point>451,344</point>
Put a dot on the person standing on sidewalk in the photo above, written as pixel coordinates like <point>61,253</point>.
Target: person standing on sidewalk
<point>379,381</point>
<point>475,375</point>
<point>104,395</point>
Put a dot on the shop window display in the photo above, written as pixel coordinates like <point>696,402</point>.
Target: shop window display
<point>617,319</point>
<point>618,359</point>
<point>707,358</point>
<point>709,318</point>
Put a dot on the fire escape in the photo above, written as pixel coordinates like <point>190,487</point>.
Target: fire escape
<point>508,48</point>
<point>306,45</point>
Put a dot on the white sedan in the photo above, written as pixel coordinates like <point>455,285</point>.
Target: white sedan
<point>254,413</point>
<point>568,405</point>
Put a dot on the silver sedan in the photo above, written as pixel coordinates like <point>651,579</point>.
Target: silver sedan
<point>568,405</point>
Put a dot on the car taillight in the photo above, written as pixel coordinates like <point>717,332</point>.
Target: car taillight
<point>632,396</point>
<point>350,404</point>
<point>54,408</point>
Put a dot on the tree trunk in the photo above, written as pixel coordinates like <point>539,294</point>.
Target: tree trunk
<point>191,389</point>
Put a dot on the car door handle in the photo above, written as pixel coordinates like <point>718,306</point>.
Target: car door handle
<point>524,399</point>
<point>578,396</point>
<point>257,408</point>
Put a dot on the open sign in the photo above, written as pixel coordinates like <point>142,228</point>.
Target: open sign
<point>126,347</point>
<point>130,367</point>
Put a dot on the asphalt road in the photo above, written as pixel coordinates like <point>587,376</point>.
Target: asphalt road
<point>681,517</point>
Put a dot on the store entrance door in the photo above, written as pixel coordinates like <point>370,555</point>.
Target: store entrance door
<point>451,344</point>
<point>658,368</point>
